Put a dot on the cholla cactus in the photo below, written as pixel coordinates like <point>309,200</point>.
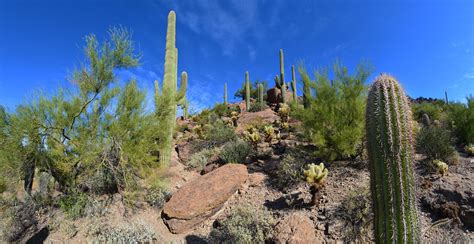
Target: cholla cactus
<point>269,132</point>
<point>284,112</point>
<point>234,116</point>
<point>167,102</point>
<point>469,149</point>
<point>316,174</point>
<point>390,152</point>
<point>252,135</point>
<point>441,167</point>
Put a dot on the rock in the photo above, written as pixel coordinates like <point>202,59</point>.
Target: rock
<point>266,116</point>
<point>209,167</point>
<point>274,95</point>
<point>296,228</point>
<point>185,151</point>
<point>201,198</point>
<point>257,179</point>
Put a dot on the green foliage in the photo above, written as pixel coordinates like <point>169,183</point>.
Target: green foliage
<point>157,194</point>
<point>134,232</point>
<point>219,133</point>
<point>434,110</point>
<point>202,158</point>
<point>441,167</point>
<point>290,169</point>
<point>246,224</point>
<point>461,119</point>
<point>334,119</point>
<point>253,90</point>
<point>257,106</point>
<point>74,204</point>
<point>235,151</point>
<point>390,152</point>
<point>435,142</point>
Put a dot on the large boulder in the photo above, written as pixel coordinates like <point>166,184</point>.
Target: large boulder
<point>245,120</point>
<point>201,198</point>
<point>296,228</point>
<point>274,95</point>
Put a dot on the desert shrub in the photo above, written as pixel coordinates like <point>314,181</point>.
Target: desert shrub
<point>434,110</point>
<point>334,122</point>
<point>219,133</point>
<point>157,196</point>
<point>235,151</point>
<point>246,224</point>
<point>253,90</point>
<point>74,204</point>
<point>290,169</point>
<point>356,209</point>
<point>202,158</point>
<point>461,118</point>
<point>435,142</point>
<point>17,218</point>
<point>134,232</point>
<point>256,107</point>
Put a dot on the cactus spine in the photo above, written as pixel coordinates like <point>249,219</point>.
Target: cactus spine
<point>247,91</point>
<point>293,83</point>
<point>167,102</point>
<point>390,151</point>
<point>225,93</point>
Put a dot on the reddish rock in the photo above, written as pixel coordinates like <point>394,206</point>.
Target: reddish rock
<point>266,116</point>
<point>257,179</point>
<point>296,228</point>
<point>274,95</point>
<point>201,198</point>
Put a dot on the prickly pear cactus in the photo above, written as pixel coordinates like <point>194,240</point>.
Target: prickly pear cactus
<point>390,153</point>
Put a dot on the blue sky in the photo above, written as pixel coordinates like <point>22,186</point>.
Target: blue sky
<point>427,45</point>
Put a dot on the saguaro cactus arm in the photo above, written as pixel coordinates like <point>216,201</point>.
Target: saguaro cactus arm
<point>181,96</point>
<point>390,151</point>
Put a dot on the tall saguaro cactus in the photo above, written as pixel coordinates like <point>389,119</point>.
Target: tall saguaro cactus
<point>225,93</point>
<point>167,102</point>
<point>280,80</point>
<point>247,91</point>
<point>293,83</point>
<point>260,94</point>
<point>390,151</point>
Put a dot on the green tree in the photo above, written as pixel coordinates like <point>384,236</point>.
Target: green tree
<point>334,119</point>
<point>253,90</point>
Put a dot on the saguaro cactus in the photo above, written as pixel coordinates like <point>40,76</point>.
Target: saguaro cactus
<point>185,109</point>
<point>167,102</point>
<point>225,93</point>
<point>293,83</point>
<point>446,97</point>
<point>260,94</point>
<point>247,91</point>
<point>280,80</point>
<point>390,151</point>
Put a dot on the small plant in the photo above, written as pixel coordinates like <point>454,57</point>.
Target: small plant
<point>356,209</point>
<point>289,170</point>
<point>74,204</point>
<point>270,133</point>
<point>252,135</point>
<point>469,149</point>
<point>157,195</point>
<point>135,232</point>
<point>202,158</point>
<point>234,115</point>
<point>235,151</point>
<point>246,224</point>
<point>441,167</point>
<point>218,133</point>
<point>284,112</point>
<point>316,176</point>
<point>435,142</point>
<point>198,130</point>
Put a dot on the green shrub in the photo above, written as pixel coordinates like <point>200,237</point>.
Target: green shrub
<point>334,121</point>
<point>202,158</point>
<point>74,204</point>
<point>435,142</point>
<point>219,133</point>
<point>435,111</point>
<point>246,224</point>
<point>356,209</point>
<point>257,107</point>
<point>235,151</point>
<point>290,169</point>
<point>461,117</point>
